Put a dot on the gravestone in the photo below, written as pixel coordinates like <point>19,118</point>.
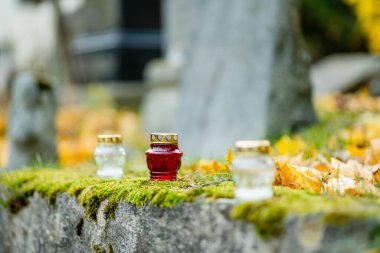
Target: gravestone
<point>355,70</point>
<point>31,124</point>
<point>159,108</point>
<point>246,76</point>
<point>162,76</point>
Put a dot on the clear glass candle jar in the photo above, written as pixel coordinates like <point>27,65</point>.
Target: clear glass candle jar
<point>253,171</point>
<point>109,155</point>
<point>163,158</point>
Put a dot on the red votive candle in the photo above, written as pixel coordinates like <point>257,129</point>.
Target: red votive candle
<point>163,158</point>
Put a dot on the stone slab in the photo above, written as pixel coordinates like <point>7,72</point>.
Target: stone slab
<point>189,227</point>
<point>246,77</point>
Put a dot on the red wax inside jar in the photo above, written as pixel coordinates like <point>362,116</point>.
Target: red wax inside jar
<point>164,161</point>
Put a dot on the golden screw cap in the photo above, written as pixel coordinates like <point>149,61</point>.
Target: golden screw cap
<point>165,138</point>
<point>110,138</point>
<point>253,146</point>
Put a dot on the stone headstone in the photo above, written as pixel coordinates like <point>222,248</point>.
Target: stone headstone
<point>159,108</point>
<point>31,125</point>
<point>246,77</point>
<point>162,76</point>
<point>180,28</point>
<point>345,72</point>
<point>374,85</point>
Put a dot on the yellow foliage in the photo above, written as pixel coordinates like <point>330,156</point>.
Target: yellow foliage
<point>291,176</point>
<point>348,165</point>
<point>213,167</point>
<point>3,151</point>
<point>287,145</point>
<point>368,12</point>
<point>230,156</point>
<point>322,167</point>
<point>355,151</point>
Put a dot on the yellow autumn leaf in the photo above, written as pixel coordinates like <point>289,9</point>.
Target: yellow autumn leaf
<point>355,151</point>
<point>230,156</point>
<point>290,176</point>
<point>322,167</point>
<point>287,145</point>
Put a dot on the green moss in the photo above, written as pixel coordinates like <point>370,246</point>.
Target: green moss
<point>269,216</point>
<point>92,191</point>
<point>110,249</point>
<point>375,236</point>
<point>329,125</point>
<point>337,219</point>
<point>109,210</point>
<point>98,249</point>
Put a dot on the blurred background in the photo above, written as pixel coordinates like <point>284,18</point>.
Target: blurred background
<point>120,64</point>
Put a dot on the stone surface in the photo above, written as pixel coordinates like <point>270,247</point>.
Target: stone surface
<point>7,67</point>
<point>180,28</point>
<point>31,127</point>
<point>374,85</point>
<point>190,227</point>
<point>162,76</point>
<point>159,108</point>
<point>246,78</point>
<point>345,72</point>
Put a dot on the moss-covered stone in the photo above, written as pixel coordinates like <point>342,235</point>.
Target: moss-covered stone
<point>92,191</point>
<point>269,216</point>
<point>98,249</point>
<point>110,249</point>
<point>109,210</point>
<point>375,237</point>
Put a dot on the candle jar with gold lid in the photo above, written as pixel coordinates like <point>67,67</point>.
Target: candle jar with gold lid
<point>109,155</point>
<point>163,157</point>
<point>253,170</point>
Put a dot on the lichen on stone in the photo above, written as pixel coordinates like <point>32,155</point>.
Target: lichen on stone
<point>109,210</point>
<point>99,249</point>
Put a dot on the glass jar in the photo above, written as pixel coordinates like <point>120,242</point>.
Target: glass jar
<point>253,171</point>
<point>109,155</point>
<point>163,157</point>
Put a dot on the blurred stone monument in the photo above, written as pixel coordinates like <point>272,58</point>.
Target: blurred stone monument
<point>246,76</point>
<point>31,124</point>
<point>7,67</point>
<point>356,70</point>
<point>159,110</point>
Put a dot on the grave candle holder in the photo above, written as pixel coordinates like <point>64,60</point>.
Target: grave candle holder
<point>109,155</point>
<point>253,170</point>
<point>163,157</point>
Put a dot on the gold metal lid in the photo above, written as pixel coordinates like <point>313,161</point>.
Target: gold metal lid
<point>110,138</point>
<point>253,146</point>
<point>165,138</point>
